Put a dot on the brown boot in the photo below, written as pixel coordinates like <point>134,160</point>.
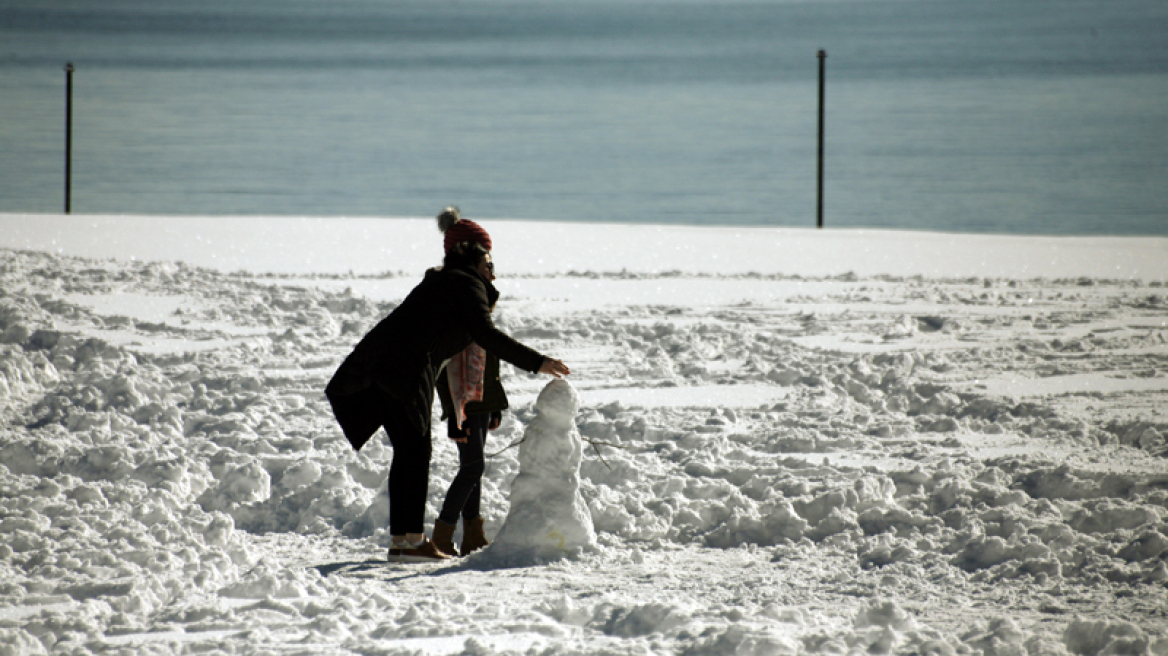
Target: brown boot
<point>444,537</point>
<point>422,552</point>
<point>473,538</point>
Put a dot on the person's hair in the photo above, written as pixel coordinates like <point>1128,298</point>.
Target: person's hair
<point>467,253</point>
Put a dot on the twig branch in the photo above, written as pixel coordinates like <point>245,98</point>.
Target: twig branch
<point>509,446</point>
<point>595,444</point>
<point>595,447</point>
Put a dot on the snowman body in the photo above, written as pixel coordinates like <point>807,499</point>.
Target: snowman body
<point>548,518</point>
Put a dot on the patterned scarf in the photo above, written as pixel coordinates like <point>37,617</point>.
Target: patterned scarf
<point>465,373</point>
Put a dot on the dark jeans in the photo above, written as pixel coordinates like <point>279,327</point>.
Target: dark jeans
<point>409,473</point>
<point>466,489</point>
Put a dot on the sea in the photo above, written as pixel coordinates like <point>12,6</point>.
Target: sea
<point>969,116</point>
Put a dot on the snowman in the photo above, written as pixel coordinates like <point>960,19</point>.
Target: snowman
<point>548,519</point>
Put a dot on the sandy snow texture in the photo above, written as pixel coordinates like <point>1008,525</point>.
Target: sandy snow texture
<point>855,463</point>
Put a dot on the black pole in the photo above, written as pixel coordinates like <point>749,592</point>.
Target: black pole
<point>68,133</point>
<point>819,189</point>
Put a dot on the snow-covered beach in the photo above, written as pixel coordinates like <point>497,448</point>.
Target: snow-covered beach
<point>815,442</point>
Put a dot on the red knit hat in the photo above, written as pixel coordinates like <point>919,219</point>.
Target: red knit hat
<point>461,230</point>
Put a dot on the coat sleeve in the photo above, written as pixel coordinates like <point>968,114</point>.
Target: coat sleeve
<point>477,315</point>
<point>442,386</point>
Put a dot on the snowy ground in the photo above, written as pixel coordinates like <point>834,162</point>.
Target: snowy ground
<point>814,442</point>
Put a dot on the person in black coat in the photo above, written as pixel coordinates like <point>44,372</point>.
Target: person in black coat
<point>388,380</point>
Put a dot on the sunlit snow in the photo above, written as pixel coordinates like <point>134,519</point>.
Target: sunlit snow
<point>772,442</point>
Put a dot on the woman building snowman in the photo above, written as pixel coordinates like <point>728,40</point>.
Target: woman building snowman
<point>389,378</point>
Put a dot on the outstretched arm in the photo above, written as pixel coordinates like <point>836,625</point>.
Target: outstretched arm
<point>477,315</point>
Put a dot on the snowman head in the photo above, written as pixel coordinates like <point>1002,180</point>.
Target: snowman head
<point>558,401</point>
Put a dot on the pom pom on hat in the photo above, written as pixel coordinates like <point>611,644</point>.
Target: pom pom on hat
<point>448,217</point>
<point>458,230</point>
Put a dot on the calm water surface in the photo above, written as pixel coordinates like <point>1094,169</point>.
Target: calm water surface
<point>1030,116</point>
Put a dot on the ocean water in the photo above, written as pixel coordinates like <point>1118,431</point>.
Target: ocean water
<point>1016,116</point>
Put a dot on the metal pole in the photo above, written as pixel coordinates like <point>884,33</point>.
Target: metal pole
<point>819,189</point>
<point>68,133</point>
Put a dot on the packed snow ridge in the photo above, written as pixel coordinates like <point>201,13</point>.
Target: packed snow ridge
<point>880,466</point>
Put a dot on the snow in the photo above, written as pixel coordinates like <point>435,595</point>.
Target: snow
<point>309,245</point>
<point>773,441</point>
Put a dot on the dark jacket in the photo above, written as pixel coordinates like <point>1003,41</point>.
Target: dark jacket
<point>400,356</point>
<point>494,399</point>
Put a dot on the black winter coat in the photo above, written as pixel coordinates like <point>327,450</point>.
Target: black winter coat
<point>401,355</point>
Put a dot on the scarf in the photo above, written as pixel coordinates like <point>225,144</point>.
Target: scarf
<point>465,373</point>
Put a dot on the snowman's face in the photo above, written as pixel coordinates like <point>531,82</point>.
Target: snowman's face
<point>558,400</point>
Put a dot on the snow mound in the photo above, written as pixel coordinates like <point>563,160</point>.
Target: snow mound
<point>1097,637</point>
<point>548,519</point>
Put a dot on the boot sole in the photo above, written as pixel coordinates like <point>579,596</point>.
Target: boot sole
<point>415,559</point>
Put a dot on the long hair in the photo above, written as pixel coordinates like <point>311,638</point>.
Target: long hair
<point>465,254</point>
